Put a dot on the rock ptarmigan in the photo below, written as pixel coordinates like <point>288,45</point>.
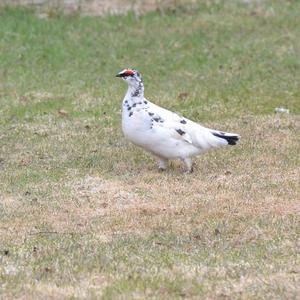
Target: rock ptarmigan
<point>163,133</point>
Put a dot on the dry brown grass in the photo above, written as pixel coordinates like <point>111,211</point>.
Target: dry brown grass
<point>256,180</point>
<point>223,186</point>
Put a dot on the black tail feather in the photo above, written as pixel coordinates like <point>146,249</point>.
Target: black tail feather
<point>231,139</point>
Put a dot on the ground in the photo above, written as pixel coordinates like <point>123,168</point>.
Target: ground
<point>85,214</point>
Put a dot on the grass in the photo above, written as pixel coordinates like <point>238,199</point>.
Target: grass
<point>85,214</point>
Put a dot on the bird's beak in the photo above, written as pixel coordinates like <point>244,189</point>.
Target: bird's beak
<point>119,75</point>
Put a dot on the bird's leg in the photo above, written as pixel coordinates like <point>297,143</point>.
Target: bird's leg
<point>162,164</point>
<point>189,164</point>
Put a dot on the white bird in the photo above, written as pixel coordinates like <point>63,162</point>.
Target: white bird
<point>163,133</point>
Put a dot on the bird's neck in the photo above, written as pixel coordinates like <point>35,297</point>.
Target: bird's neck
<point>135,93</point>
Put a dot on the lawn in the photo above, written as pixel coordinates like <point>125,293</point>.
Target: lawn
<point>86,215</point>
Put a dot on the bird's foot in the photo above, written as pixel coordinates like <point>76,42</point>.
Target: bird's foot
<point>162,164</point>
<point>189,171</point>
<point>189,165</point>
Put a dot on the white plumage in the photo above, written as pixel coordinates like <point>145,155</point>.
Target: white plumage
<point>162,132</point>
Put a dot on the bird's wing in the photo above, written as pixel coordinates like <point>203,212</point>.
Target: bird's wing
<point>189,131</point>
<point>164,113</point>
<point>166,120</point>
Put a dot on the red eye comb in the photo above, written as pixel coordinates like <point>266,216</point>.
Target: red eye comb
<point>126,72</point>
<point>129,72</point>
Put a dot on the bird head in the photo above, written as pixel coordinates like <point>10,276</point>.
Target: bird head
<point>133,77</point>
